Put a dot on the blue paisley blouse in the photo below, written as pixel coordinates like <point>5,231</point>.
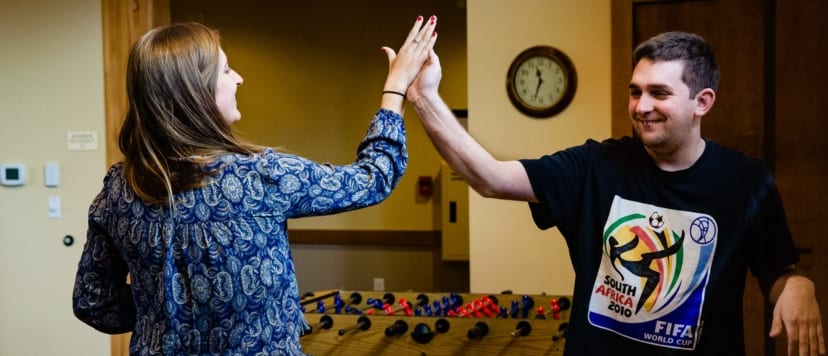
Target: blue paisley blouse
<point>217,277</point>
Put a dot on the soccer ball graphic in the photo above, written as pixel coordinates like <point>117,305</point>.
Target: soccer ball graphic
<point>656,220</point>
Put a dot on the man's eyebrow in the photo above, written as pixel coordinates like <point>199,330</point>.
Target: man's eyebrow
<point>661,87</point>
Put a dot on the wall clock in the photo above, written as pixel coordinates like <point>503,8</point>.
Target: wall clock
<point>541,81</point>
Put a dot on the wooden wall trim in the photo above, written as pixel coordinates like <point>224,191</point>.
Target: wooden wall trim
<point>769,139</point>
<point>769,147</point>
<point>123,23</point>
<point>621,67</point>
<point>418,239</point>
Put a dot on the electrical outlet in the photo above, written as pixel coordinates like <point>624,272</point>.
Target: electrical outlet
<point>379,284</point>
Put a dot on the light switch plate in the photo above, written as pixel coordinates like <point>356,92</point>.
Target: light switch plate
<point>51,174</point>
<point>54,207</point>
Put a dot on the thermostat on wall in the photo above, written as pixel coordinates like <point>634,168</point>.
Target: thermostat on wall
<point>12,174</point>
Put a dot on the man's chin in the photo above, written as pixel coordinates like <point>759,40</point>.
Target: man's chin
<point>650,139</point>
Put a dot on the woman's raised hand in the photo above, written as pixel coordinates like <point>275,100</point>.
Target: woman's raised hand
<point>403,66</point>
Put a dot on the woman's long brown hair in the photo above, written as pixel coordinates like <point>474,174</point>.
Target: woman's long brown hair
<point>173,126</point>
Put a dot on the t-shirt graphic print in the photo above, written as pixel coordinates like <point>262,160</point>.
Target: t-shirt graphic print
<point>653,273</point>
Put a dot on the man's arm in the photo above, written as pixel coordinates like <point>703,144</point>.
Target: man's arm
<point>486,175</point>
<point>797,312</point>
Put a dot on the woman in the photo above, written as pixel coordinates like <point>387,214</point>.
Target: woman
<point>197,217</point>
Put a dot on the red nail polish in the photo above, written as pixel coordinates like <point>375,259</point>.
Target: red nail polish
<point>419,18</point>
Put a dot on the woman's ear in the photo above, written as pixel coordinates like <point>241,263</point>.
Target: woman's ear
<point>704,101</point>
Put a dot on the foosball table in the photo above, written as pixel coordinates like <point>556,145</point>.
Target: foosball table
<point>410,323</point>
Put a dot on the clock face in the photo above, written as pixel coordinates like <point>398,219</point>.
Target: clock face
<point>541,81</point>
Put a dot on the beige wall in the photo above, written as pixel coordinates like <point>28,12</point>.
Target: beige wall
<point>313,74</point>
<point>50,83</point>
<point>507,250</point>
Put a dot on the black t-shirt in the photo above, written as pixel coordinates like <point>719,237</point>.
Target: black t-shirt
<point>660,257</point>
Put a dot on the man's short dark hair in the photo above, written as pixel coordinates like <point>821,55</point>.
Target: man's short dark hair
<point>700,69</point>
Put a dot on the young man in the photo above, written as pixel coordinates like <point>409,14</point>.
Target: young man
<point>658,225</point>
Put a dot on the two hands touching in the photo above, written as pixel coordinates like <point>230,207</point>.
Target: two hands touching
<point>414,67</point>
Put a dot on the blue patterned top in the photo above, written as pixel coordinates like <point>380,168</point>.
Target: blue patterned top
<point>217,278</point>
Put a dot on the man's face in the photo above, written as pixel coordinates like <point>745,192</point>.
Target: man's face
<point>662,112</point>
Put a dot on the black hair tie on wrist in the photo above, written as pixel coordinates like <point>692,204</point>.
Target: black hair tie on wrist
<point>394,92</point>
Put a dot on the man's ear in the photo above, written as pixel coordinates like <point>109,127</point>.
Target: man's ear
<point>704,101</point>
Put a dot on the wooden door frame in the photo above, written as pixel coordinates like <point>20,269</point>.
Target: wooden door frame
<point>123,23</point>
<point>621,36</point>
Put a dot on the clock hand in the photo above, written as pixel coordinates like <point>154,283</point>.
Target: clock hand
<point>540,81</point>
